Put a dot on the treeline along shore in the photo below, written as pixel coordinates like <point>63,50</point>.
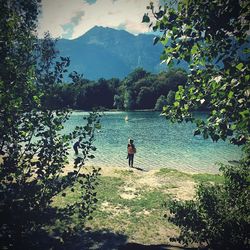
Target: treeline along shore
<point>139,90</point>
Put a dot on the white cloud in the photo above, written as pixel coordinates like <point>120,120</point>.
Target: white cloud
<point>72,18</point>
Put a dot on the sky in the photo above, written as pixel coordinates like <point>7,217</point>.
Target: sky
<point>72,18</point>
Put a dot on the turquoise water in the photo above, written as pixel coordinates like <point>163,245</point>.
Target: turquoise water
<point>159,143</point>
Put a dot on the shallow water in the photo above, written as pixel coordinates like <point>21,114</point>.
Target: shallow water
<point>159,143</point>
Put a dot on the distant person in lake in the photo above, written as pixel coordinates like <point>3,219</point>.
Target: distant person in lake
<point>131,152</point>
<point>77,145</point>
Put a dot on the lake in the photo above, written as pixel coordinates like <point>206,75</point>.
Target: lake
<point>159,143</point>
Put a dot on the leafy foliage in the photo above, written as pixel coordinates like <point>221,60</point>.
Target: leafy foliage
<point>160,103</point>
<point>139,90</point>
<point>34,151</point>
<point>212,37</point>
<point>217,217</point>
<point>170,97</point>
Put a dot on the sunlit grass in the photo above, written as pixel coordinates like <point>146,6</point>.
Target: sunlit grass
<point>212,178</point>
<point>133,209</point>
<point>204,177</point>
<point>169,172</point>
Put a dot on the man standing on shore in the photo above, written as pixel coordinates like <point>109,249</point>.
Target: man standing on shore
<point>131,151</point>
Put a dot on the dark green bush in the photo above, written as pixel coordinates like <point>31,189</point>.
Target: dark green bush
<point>219,214</point>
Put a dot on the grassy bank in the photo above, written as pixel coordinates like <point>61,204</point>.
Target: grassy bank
<point>131,204</point>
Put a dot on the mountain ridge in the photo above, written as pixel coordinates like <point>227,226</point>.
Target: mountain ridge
<point>106,52</point>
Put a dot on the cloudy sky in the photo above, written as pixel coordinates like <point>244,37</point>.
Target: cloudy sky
<point>72,18</point>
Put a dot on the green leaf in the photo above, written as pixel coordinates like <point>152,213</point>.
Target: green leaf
<point>230,94</point>
<point>176,104</point>
<point>160,14</point>
<point>245,113</point>
<point>177,96</point>
<point>155,27</point>
<point>240,66</point>
<point>164,41</point>
<point>36,99</point>
<point>194,49</point>
<point>169,59</point>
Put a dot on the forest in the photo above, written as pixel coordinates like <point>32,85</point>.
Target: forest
<point>139,90</point>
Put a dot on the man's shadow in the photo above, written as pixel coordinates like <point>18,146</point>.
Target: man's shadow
<point>140,169</point>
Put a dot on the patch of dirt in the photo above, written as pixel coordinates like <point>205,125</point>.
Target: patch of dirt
<point>144,212</point>
<point>128,192</point>
<point>149,180</point>
<point>136,180</point>
<point>128,196</point>
<point>115,210</point>
<point>111,171</point>
<point>184,191</point>
<point>179,189</point>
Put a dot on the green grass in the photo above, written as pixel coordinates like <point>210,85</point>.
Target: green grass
<point>205,178</point>
<point>200,178</point>
<point>110,189</point>
<point>168,172</point>
<point>125,172</point>
<point>133,217</point>
<point>140,214</point>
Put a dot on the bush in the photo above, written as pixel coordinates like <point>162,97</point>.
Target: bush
<point>218,216</point>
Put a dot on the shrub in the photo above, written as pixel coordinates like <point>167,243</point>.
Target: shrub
<point>219,214</point>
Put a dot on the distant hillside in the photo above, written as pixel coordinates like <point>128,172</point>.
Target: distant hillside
<point>106,52</point>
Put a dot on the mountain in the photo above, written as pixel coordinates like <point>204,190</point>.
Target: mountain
<point>106,52</point>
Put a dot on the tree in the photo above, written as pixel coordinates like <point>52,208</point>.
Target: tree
<point>114,84</point>
<point>145,98</point>
<point>68,96</point>
<point>169,80</point>
<point>34,151</point>
<point>129,91</point>
<point>209,35</point>
<point>170,97</point>
<point>104,93</point>
<point>160,103</point>
<point>128,102</point>
<point>136,75</point>
<point>118,102</point>
<point>212,36</point>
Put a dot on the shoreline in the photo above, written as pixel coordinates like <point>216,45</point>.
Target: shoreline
<point>135,110</point>
<point>116,110</point>
<point>109,170</point>
<point>183,169</point>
